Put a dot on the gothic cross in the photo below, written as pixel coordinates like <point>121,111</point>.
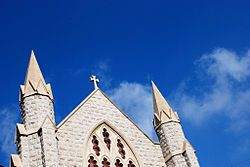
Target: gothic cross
<point>95,80</point>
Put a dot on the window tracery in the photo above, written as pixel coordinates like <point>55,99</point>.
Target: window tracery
<point>110,149</point>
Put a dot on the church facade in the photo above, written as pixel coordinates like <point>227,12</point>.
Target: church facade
<point>95,134</point>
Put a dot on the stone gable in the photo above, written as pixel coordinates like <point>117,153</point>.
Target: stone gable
<point>74,132</point>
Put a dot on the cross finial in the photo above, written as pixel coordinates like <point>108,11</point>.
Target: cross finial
<point>95,80</point>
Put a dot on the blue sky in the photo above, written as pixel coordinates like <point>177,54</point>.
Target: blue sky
<point>197,53</point>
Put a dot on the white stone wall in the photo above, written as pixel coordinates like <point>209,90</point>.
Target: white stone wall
<point>38,148</point>
<point>22,145</point>
<point>72,134</point>
<point>171,139</point>
<point>34,110</point>
<point>49,144</point>
<point>35,150</point>
<point>191,157</point>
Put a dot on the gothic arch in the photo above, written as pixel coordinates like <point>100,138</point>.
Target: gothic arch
<point>114,152</point>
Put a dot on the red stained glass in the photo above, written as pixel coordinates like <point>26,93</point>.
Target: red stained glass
<point>131,164</point>
<point>95,146</point>
<point>106,138</point>
<point>118,163</point>
<point>92,162</point>
<point>120,148</point>
<point>105,163</point>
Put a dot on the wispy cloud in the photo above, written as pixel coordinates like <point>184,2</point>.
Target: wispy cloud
<point>135,100</point>
<point>222,89</point>
<point>225,89</point>
<point>9,117</point>
<point>101,70</point>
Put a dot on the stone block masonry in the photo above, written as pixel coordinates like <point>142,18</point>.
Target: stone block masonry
<point>34,109</point>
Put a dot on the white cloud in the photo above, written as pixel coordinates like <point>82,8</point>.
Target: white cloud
<point>225,89</point>
<point>101,70</point>
<point>135,100</point>
<point>7,124</point>
<point>224,63</point>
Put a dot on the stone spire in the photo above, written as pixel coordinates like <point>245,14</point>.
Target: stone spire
<point>34,82</point>
<point>162,111</point>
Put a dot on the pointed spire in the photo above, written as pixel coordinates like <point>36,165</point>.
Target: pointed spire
<point>34,74</point>
<point>34,81</point>
<point>162,111</point>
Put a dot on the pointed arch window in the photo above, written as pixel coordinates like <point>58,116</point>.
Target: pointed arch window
<point>109,148</point>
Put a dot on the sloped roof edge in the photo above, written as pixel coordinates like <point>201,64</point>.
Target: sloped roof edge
<point>87,98</point>
<point>79,106</point>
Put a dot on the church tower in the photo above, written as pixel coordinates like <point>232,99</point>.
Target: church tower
<point>36,99</point>
<point>35,137</point>
<point>176,149</point>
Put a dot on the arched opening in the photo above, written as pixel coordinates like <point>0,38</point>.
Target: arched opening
<point>109,148</point>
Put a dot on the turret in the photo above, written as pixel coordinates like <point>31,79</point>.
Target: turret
<point>35,138</point>
<point>176,149</point>
<point>36,99</point>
